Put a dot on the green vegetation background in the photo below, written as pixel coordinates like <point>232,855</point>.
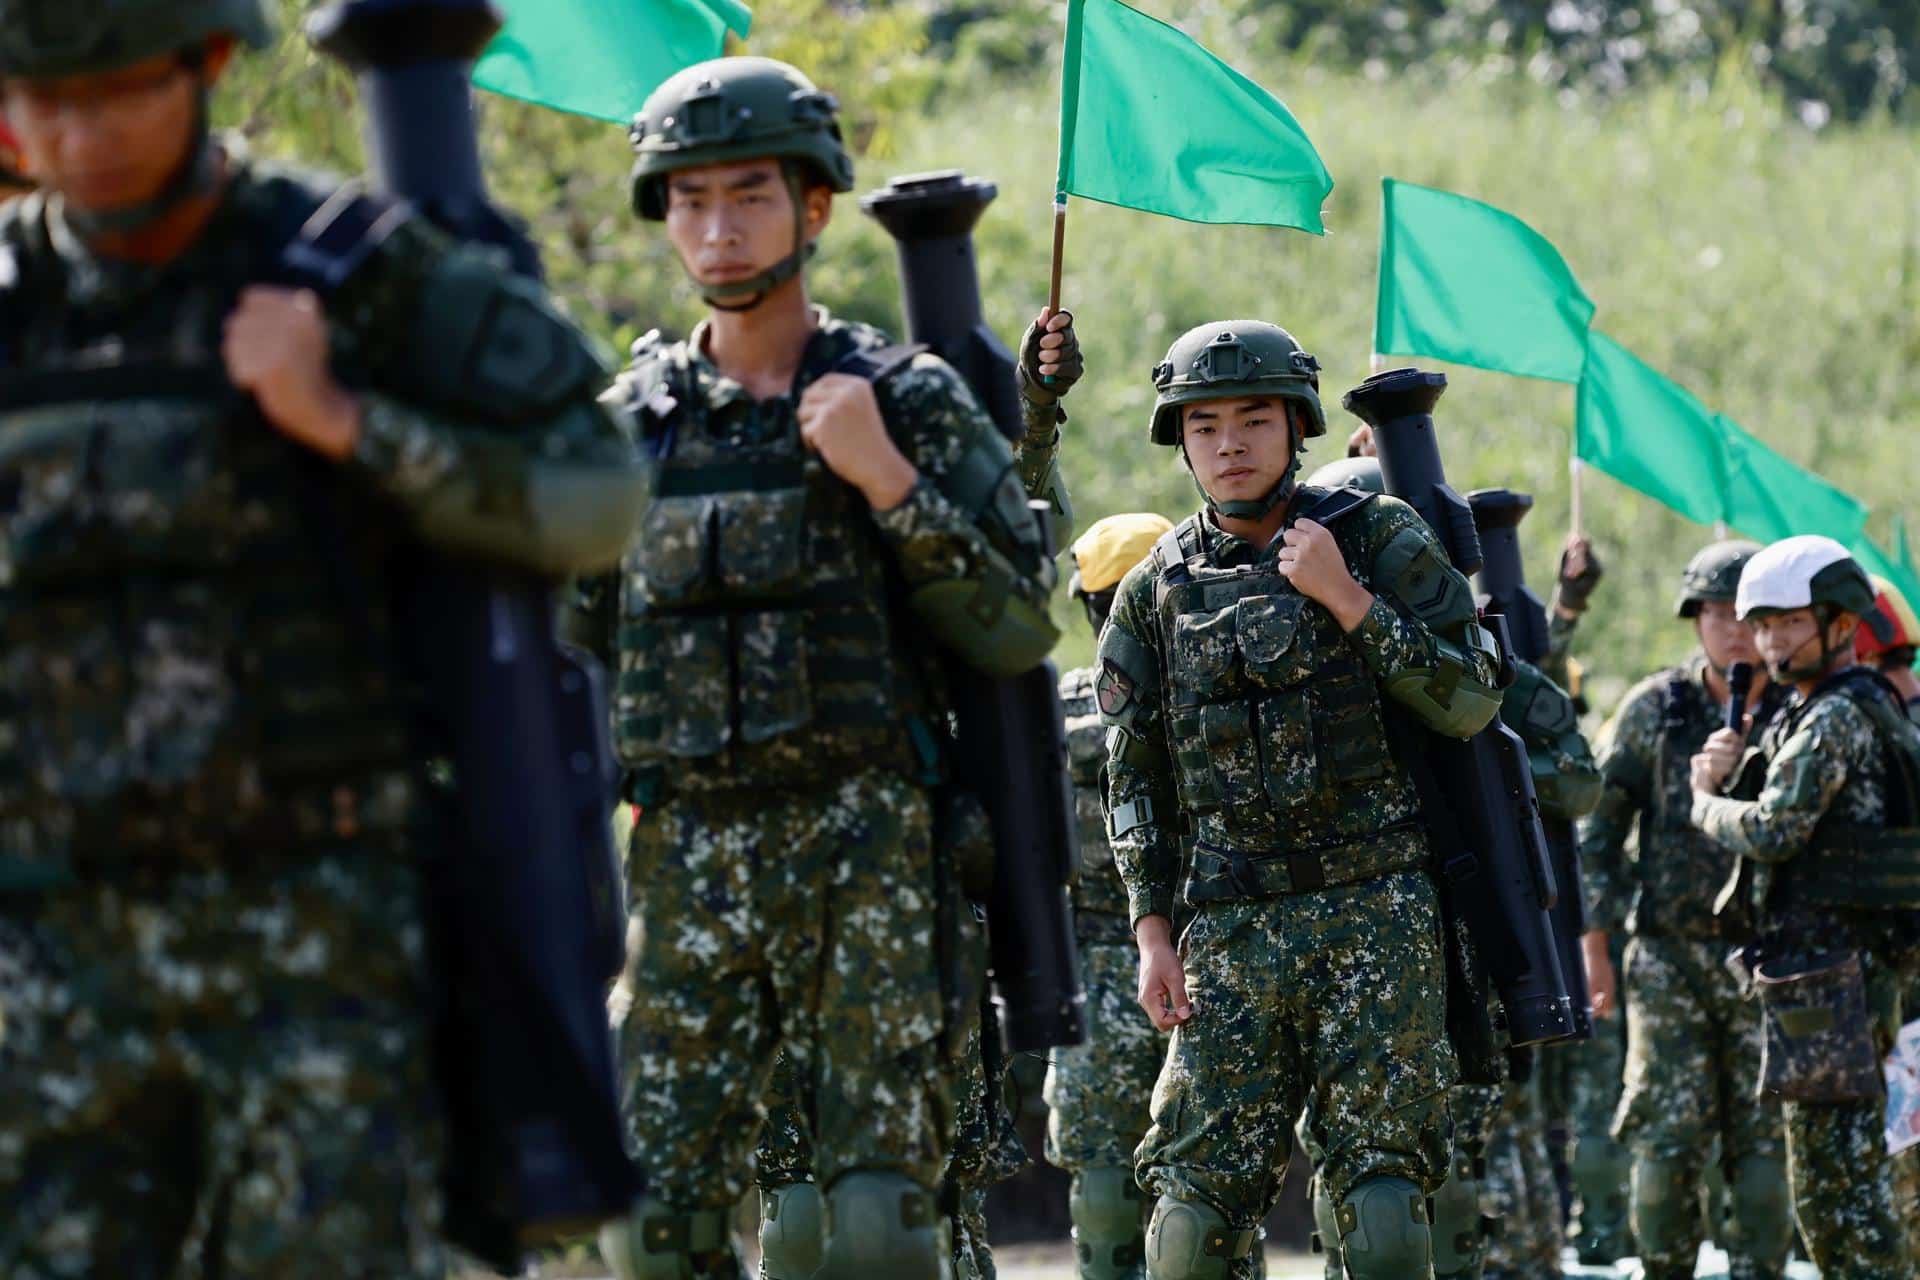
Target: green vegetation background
<point>1762,255</point>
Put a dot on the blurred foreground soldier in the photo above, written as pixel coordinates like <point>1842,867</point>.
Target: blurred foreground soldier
<point>13,178</point>
<point>829,508</point>
<point>1244,675</point>
<point>212,929</point>
<point>1829,850</point>
<point>1693,1040</point>
<point>1098,1093</point>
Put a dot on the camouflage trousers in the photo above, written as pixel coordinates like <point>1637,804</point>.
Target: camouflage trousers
<point>986,1151</point>
<point>1693,1065</point>
<point>1519,1189</point>
<point>221,1074</point>
<point>1580,1089</point>
<point>769,921</point>
<point>1329,1004</point>
<point>1098,1093</point>
<point>1844,1182</point>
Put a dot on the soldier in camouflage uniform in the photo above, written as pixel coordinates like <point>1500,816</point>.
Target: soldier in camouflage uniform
<point>1692,1039</point>
<point>829,509</point>
<point>1097,1094</point>
<point>1246,673</point>
<point>986,1149</point>
<point>214,1011</point>
<point>1829,853</point>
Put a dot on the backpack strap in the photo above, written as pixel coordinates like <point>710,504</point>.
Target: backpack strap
<point>876,366</point>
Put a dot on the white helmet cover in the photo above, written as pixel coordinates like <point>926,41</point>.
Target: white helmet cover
<point>1781,576</point>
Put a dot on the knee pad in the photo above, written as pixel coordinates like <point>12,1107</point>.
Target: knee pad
<point>1383,1230</point>
<point>1108,1240</point>
<point>884,1224</point>
<point>1759,1222</point>
<point>1459,1227</point>
<point>657,1242</point>
<point>1600,1171</point>
<point>792,1232</point>
<point>1666,1214</point>
<point>1192,1240</point>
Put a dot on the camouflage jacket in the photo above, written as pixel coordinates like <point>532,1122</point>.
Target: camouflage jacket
<point>1826,768</point>
<point>763,626</point>
<point>198,612</point>
<point>1666,882</point>
<point>1243,715</point>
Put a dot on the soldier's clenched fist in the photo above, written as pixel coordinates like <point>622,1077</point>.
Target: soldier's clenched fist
<point>1311,560</point>
<point>840,420</point>
<point>277,349</point>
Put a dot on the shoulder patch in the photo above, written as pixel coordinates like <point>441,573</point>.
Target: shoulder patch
<point>1113,689</point>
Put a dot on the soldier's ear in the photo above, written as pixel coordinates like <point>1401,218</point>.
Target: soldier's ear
<point>817,200</point>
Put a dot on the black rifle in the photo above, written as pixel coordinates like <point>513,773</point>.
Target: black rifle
<point>1497,514</point>
<point>1478,797</point>
<point>529,923</point>
<point>1011,742</point>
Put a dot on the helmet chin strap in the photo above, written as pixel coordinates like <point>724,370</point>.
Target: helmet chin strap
<point>1258,508</point>
<point>745,295</point>
<point>198,174</point>
<point>1787,673</point>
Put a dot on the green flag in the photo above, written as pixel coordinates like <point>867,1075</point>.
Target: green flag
<point>1770,498</point>
<point>1649,433</point>
<point>1152,121</point>
<point>602,58</point>
<point>1466,282</point>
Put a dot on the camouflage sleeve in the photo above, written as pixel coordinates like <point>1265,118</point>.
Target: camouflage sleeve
<point>1625,756</point>
<point>1037,454</point>
<point>965,540</point>
<point>480,419</point>
<point>1557,661</point>
<point>1143,816</point>
<point>1804,776</point>
<point>1422,638</point>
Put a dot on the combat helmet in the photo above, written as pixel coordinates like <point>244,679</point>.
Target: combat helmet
<point>1891,604</point>
<point>1106,552</point>
<point>1713,575</point>
<point>728,110</point>
<point>49,39</point>
<point>1809,572</point>
<point>1229,359</point>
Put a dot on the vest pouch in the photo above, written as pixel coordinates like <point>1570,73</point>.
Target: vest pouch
<point>1292,772</point>
<point>697,695</point>
<point>1202,650</point>
<point>1227,729</point>
<point>762,540</point>
<point>1817,1045</point>
<point>94,489</point>
<point>1192,769</point>
<point>1275,640</point>
<point>668,564</point>
<point>775,697</point>
<point>1353,736</point>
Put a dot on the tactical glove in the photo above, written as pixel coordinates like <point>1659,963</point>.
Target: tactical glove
<point>1067,355</point>
<point>1574,590</point>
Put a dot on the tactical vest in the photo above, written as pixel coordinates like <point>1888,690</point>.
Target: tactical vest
<point>1275,724</point>
<point>1874,868</point>
<point>758,631</point>
<point>194,612</point>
